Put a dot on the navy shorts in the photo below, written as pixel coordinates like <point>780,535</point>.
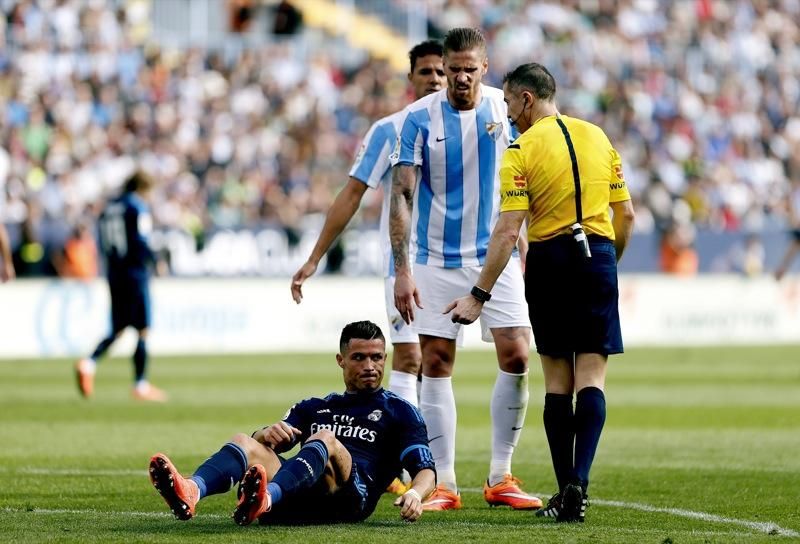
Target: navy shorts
<point>315,506</point>
<point>573,301</point>
<point>130,303</point>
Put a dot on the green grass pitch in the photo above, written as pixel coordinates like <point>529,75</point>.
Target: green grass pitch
<point>700,445</point>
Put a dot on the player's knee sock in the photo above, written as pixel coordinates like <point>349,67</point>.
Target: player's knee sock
<point>102,347</point>
<point>508,407</point>
<point>404,385</point>
<point>221,471</point>
<point>438,407</point>
<point>140,360</point>
<point>590,416</point>
<point>559,425</point>
<point>303,470</point>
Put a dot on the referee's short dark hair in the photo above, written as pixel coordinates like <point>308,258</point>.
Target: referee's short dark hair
<point>532,77</point>
<point>361,330</point>
<point>423,49</point>
<point>464,39</point>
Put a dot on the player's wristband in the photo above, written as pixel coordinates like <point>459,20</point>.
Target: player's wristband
<point>480,294</point>
<point>413,493</point>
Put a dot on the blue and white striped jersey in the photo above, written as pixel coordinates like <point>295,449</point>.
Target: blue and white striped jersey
<point>372,167</point>
<point>456,203</point>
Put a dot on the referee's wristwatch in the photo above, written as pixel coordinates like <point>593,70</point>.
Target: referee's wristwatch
<point>479,294</point>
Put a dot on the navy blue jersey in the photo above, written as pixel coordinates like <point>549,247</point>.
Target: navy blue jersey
<point>382,432</point>
<point>125,225</point>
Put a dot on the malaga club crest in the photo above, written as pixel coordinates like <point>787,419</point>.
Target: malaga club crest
<point>494,130</point>
<point>375,415</point>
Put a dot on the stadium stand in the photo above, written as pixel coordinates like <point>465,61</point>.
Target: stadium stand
<point>255,134</point>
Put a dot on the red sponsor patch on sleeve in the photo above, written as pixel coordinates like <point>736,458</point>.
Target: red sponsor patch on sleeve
<point>618,171</point>
<point>520,181</point>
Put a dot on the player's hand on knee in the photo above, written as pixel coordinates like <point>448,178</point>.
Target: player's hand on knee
<point>277,435</point>
<point>410,504</point>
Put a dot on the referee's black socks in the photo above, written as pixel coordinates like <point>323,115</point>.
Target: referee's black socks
<point>590,416</point>
<point>560,429</point>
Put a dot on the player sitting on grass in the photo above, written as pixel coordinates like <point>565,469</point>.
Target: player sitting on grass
<point>352,445</point>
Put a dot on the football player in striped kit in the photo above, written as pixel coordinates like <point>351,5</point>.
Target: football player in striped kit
<point>445,201</point>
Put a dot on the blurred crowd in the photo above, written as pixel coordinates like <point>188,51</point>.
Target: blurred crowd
<point>699,96</point>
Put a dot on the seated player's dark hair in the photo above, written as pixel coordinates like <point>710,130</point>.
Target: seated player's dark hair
<point>362,330</point>
<point>423,49</point>
<point>138,180</point>
<point>464,39</point>
<point>532,77</point>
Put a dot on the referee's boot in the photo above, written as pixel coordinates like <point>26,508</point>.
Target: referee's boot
<point>574,502</point>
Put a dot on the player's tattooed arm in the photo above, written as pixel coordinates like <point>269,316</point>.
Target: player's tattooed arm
<point>404,179</point>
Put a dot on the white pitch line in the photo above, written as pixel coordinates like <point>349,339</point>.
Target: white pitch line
<point>112,513</point>
<point>764,527</point>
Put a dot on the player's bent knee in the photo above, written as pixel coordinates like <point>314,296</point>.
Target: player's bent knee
<point>326,437</point>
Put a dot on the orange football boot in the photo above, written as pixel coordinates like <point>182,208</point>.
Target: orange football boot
<point>181,494</point>
<point>149,393</point>
<point>397,487</point>
<point>254,499</point>
<point>508,493</point>
<point>441,499</point>
<point>84,374</point>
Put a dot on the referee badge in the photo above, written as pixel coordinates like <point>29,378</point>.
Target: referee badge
<point>494,130</point>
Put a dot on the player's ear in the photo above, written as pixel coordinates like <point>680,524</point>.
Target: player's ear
<point>340,360</point>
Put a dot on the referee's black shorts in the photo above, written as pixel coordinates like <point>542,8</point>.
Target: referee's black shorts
<point>573,301</point>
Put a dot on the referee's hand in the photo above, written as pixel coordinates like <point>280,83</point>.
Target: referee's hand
<point>465,310</point>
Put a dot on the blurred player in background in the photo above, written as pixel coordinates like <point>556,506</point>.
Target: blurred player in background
<point>352,445</point>
<point>571,280</point>
<point>125,225</point>
<point>371,169</point>
<point>454,139</point>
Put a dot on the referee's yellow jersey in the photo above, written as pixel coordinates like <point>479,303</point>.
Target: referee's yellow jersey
<point>536,175</point>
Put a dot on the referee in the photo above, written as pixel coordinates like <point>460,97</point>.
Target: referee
<point>563,175</point>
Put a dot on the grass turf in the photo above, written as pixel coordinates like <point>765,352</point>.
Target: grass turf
<point>700,445</point>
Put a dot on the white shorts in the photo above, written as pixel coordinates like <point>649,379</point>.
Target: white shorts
<point>438,287</point>
<point>399,332</point>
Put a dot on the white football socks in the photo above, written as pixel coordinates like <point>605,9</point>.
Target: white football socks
<point>404,385</point>
<point>508,407</point>
<point>438,406</point>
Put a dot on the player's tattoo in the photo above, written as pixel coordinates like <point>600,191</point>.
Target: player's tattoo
<point>403,181</point>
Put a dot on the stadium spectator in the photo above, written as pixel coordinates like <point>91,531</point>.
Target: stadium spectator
<point>7,272</point>
<point>571,279</point>
<point>351,446</point>
<point>79,259</point>
<point>793,209</point>
<point>370,169</point>
<point>125,225</point>
<point>453,139</point>
<point>678,255</point>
